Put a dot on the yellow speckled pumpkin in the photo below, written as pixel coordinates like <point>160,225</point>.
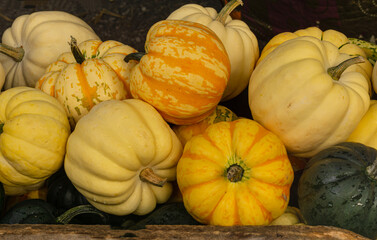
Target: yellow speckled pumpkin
<point>235,173</point>
<point>183,73</point>
<point>93,72</point>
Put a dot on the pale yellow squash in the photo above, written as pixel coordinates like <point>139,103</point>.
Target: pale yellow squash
<point>122,157</point>
<point>35,129</point>
<point>35,40</point>
<point>292,94</point>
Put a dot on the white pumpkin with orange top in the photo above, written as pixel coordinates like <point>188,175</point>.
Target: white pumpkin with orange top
<point>93,72</point>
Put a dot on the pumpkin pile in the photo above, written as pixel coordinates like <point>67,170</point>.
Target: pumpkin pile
<point>144,137</point>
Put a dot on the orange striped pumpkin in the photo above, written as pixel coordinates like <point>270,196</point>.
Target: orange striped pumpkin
<point>183,73</point>
<point>235,173</point>
<point>93,72</point>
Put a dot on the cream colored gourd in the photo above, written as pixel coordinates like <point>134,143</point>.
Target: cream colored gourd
<point>239,41</point>
<point>33,137</point>
<point>93,72</point>
<point>120,155</point>
<point>36,40</point>
<point>292,95</point>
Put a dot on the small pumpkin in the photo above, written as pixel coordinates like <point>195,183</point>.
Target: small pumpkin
<point>310,93</point>
<point>185,132</point>
<point>338,188</point>
<point>239,41</point>
<point>31,36</point>
<point>235,173</point>
<point>92,72</point>
<point>34,132</point>
<point>183,73</point>
<point>122,157</point>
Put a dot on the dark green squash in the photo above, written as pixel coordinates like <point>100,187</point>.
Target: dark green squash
<point>61,193</point>
<point>338,188</point>
<point>2,198</point>
<point>38,211</point>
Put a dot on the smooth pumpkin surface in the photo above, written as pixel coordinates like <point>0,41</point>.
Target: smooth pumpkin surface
<point>33,139</point>
<point>239,41</point>
<point>235,173</point>
<point>35,40</point>
<point>185,132</point>
<point>366,130</point>
<point>183,73</point>
<point>338,188</point>
<point>292,94</point>
<point>122,157</point>
<point>94,71</point>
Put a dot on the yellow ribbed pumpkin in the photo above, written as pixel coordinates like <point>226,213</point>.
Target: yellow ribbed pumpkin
<point>235,173</point>
<point>34,132</point>
<point>183,73</point>
<point>94,71</point>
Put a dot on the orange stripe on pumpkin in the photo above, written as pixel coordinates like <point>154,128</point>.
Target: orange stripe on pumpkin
<point>88,92</point>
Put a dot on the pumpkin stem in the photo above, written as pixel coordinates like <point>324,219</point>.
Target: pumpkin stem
<point>227,9</point>
<point>235,173</point>
<point>17,53</point>
<point>80,58</point>
<point>147,175</point>
<point>68,215</point>
<point>134,56</point>
<point>336,71</point>
<point>372,170</point>
<point>1,127</point>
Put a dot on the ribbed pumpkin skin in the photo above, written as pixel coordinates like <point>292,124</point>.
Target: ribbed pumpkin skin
<point>111,146</point>
<point>259,197</point>
<point>32,144</point>
<point>335,190</point>
<point>184,72</point>
<point>102,76</point>
<point>43,35</point>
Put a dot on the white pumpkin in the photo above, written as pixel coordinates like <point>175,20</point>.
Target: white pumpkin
<point>239,41</point>
<point>34,41</point>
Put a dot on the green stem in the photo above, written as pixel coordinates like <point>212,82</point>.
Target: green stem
<point>147,175</point>
<point>372,170</point>
<point>17,53</point>
<point>134,56</point>
<point>80,58</point>
<point>1,127</point>
<point>235,173</point>
<point>336,71</point>
<point>68,215</point>
<point>227,9</point>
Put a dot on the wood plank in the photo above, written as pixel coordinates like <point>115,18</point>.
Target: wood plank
<point>157,232</point>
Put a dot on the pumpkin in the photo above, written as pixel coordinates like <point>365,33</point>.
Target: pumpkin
<point>338,188</point>
<point>185,132</point>
<point>239,41</point>
<point>122,157</point>
<point>35,40</point>
<point>2,76</point>
<point>235,173</point>
<point>34,132</point>
<point>92,72</point>
<point>183,73</point>
<point>309,93</point>
<point>366,130</point>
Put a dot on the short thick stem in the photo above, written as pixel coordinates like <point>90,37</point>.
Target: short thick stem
<point>17,53</point>
<point>147,175</point>
<point>336,71</point>
<point>227,9</point>
<point>134,56</point>
<point>235,173</point>
<point>372,170</point>
<point>79,57</point>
